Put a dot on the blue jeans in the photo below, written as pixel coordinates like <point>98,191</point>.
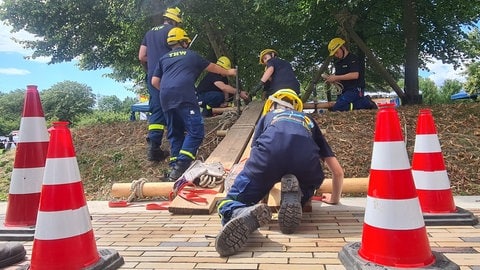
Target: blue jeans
<point>185,131</point>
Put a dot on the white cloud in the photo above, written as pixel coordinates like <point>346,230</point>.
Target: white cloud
<point>14,71</point>
<point>440,72</point>
<point>7,44</point>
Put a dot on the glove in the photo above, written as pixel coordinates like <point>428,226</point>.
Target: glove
<point>257,88</point>
<point>213,176</point>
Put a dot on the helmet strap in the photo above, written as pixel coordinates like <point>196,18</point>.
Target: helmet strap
<point>281,102</point>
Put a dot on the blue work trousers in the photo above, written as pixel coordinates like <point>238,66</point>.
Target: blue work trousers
<point>270,159</point>
<point>156,121</point>
<point>211,98</point>
<point>351,99</point>
<point>185,131</point>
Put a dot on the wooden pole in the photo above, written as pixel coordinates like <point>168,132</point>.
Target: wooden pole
<point>150,189</point>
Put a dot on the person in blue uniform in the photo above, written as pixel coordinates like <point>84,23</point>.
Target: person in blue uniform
<point>214,91</point>
<point>278,74</point>
<point>287,146</point>
<point>350,74</point>
<point>153,46</point>
<point>175,77</point>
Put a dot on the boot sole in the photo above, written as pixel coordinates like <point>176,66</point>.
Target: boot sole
<point>235,233</point>
<point>290,212</point>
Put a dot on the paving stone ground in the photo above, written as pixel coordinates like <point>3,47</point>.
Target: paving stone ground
<point>156,239</point>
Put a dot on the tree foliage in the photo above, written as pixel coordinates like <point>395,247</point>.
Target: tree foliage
<point>109,104</point>
<point>67,100</point>
<point>11,106</point>
<point>107,33</point>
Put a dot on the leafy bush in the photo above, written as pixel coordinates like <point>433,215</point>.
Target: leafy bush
<point>101,117</point>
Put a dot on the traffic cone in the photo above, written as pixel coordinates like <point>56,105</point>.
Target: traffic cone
<point>64,236</point>
<point>394,233</point>
<point>431,178</point>
<point>27,173</point>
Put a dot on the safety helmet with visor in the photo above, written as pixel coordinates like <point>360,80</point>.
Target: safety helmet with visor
<point>335,44</point>
<point>176,35</point>
<point>264,52</point>
<point>173,14</point>
<point>285,97</point>
<point>224,62</point>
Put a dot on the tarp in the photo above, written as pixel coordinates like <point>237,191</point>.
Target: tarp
<point>140,107</point>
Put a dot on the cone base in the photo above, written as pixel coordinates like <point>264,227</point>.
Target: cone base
<point>16,233</point>
<point>460,217</point>
<point>109,260</point>
<point>352,261</point>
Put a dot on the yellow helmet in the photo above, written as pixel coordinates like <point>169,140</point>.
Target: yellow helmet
<point>224,62</point>
<point>176,35</point>
<point>334,45</point>
<point>262,54</point>
<point>285,97</point>
<point>174,14</point>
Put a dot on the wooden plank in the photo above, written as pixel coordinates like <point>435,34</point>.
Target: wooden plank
<point>250,114</point>
<point>228,152</point>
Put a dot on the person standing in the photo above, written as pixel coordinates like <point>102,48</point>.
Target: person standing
<point>287,145</point>
<point>154,45</point>
<point>175,77</point>
<point>349,73</point>
<point>278,74</point>
<point>214,90</point>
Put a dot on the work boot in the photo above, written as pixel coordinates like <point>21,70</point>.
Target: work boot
<point>235,233</point>
<point>11,253</point>
<point>373,104</point>
<point>178,169</point>
<point>154,152</point>
<point>290,213</point>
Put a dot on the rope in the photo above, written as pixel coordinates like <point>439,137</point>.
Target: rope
<point>136,189</point>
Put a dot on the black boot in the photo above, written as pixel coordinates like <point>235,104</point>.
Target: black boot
<point>180,167</point>
<point>154,152</point>
<point>290,213</point>
<point>11,253</point>
<point>235,233</point>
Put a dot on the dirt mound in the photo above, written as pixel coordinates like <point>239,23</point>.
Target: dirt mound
<point>114,153</point>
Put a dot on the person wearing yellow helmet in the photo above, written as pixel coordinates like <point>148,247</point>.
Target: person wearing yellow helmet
<point>175,77</point>
<point>278,74</point>
<point>287,147</point>
<point>350,75</point>
<point>213,91</point>
<point>154,45</point>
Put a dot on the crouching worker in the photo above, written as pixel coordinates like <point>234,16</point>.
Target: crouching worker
<point>288,146</point>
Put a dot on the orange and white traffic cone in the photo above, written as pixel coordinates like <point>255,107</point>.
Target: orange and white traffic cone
<point>64,236</point>
<point>28,169</point>
<point>431,178</point>
<point>394,233</point>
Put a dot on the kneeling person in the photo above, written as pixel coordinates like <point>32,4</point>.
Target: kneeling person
<point>288,146</point>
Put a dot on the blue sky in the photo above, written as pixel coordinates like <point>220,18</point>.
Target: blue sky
<point>17,72</point>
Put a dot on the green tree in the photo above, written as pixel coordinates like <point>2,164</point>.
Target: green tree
<point>107,33</point>
<point>127,104</point>
<point>472,85</point>
<point>109,104</point>
<point>67,100</point>
<point>449,88</point>
<point>429,91</point>
<point>11,106</point>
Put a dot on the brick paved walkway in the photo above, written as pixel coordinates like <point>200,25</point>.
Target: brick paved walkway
<point>152,239</point>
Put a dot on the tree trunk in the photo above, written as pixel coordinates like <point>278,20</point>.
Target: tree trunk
<point>410,26</point>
